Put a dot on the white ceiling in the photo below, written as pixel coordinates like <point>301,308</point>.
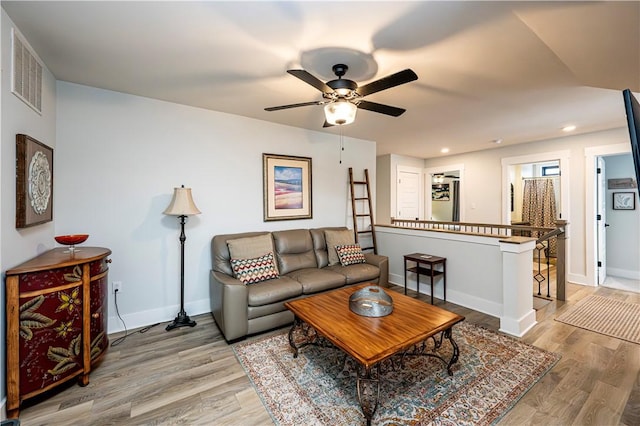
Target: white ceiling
<point>516,71</point>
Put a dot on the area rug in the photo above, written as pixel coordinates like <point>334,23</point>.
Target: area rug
<point>319,387</point>
<point>607,316</point>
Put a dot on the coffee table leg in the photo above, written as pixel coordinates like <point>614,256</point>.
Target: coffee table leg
<point>456,351</point>
<point>368,391</point>
<point>296,323</point>
<point>421,350</point>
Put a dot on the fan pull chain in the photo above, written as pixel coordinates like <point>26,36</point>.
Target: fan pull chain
<point>341,144</point>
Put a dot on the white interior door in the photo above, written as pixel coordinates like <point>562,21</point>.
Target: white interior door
<point>601,219</point>
<point>409,193</point>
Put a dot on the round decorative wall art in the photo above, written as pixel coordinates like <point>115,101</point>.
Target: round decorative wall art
<point>39,182</point>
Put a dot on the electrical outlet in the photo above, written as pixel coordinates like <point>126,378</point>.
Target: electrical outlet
<point>117,286</point>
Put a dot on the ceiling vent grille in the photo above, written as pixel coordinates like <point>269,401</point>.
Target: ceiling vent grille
<point>26,81</point>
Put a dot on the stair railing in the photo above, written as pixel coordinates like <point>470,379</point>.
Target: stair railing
<point>555,236</point>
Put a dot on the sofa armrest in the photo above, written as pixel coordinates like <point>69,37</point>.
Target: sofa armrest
<point>229,299</point>
<point>382,262</point>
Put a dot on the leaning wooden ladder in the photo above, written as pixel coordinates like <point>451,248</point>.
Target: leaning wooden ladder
<point>357,207</point>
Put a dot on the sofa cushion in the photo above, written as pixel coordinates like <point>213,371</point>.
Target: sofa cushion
<point>251,271</point>
<point>337,238</point>
<point>220,255</point>
<point>320,244</point>
<point>251,247</point>
<point>359,272</point>
<point>294,249</point>
<point>350,254</point>
<point>314,280</point>
<point>273,291</point>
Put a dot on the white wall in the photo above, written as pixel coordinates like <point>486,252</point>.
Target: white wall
<point>481,195</point>
<point>118,159</point>
<point>383,189</point>
<point>483,190</point>
<point>623,260</point>
<point>19,245</point>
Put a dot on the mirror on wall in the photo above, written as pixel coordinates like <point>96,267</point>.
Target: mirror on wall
<point>445,196</point>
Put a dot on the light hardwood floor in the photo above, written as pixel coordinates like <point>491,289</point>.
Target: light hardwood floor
<point>190,376</point>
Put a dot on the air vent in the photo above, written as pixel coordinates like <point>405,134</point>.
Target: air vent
<point>26,81</point>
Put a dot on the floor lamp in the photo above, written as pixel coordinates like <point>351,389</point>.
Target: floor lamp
<point>181,205</point>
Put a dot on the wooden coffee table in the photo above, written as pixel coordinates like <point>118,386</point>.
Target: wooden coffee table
<point>326,319</point>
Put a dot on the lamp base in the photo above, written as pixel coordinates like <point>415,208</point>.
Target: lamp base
<point>182,320</point>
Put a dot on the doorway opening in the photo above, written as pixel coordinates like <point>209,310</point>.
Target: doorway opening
<point>618,254</point>
<point>535,193</point>
<point>444,193</point>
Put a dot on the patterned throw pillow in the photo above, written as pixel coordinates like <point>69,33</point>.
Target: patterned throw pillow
<point>350,254</point>
<point>337,238</point>
<point>251,271</point>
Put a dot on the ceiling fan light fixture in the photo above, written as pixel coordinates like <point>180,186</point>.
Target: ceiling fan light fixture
<point>340,112</point>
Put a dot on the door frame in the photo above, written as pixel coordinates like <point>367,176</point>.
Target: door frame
<point>601,224</point>
<point>590,200</point>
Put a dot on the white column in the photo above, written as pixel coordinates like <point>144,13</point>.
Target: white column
<point>518,315</point>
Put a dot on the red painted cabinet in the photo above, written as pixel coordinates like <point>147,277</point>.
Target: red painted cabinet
<point>56,321</point>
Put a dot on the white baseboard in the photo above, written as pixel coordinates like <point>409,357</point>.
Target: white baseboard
<point>623,273</point>
<point>153,316</point>
<point>518,326</point>
<point>579,279</point>
<point>453,296</point>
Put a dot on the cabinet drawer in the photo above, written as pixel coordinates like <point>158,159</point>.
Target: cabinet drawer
<point>98,266</point>
<point>50,278</point>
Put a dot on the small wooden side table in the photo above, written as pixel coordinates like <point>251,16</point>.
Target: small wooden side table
<point>430,262</point>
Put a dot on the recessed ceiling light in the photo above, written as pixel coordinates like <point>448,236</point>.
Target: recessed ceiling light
<point>444,150</point>
<point>497,141</point>
<point>569,128</point>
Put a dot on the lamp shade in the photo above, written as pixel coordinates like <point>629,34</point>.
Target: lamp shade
<point>182,203</point>
<point>340,112</point>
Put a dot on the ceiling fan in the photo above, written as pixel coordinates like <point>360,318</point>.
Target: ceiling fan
<point>342,97</point>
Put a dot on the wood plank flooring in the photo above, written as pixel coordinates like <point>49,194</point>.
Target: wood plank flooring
<point>190,376</point>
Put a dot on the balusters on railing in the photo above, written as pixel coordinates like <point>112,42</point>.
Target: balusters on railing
<point>497,230</point>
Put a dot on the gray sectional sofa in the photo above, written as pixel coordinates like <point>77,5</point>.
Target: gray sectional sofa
<point>304,266</point>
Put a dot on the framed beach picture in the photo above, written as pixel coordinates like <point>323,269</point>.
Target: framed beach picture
<point>286,187</point>
<point>34,182</point>
<point>440,192</point>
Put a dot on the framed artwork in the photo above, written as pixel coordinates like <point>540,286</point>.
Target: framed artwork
<point>286,187</point>
<point>34,182</point>
<point>440,192</point>
<point>624,200</point>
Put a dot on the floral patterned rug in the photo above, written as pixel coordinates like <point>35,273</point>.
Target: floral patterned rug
<point>319,387</point>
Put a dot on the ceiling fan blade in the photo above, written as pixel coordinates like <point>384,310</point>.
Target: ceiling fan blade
<point>276,108</point>
<point>382,109</point>
<point>311,80</point>
<point>388,82</point>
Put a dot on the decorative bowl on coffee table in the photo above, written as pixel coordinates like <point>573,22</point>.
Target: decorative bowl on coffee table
<point>371,301</point>
<point>71,241</point>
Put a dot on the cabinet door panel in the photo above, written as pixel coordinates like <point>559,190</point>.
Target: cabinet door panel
<point>99,316</point>
<point>50,337</point>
